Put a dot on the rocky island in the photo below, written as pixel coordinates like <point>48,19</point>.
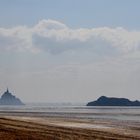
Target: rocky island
<point>112,101</point>
<point>8,99</point>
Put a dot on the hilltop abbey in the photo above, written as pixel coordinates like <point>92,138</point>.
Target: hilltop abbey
<point>8,99</point>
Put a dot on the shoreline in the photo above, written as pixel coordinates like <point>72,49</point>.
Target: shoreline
<point>48,128</point>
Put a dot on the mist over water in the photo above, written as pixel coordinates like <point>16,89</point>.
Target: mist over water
<point>73,111</point>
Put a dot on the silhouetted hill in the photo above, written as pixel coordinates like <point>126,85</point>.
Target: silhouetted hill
<point>8,99</point>
<point>106,101</point>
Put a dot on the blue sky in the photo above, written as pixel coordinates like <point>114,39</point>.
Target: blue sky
<point>75,13</point>
<point>60,50</point>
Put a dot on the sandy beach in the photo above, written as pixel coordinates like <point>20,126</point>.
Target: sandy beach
<point>25,127</point>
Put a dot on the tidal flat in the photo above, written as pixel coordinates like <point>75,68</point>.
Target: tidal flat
<point>33,126</point>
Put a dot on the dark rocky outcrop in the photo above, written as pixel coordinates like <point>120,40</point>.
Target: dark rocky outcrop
<point>107,101</point>
<point>8,99</point>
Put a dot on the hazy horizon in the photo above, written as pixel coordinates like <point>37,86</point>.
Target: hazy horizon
<point>70,51</point>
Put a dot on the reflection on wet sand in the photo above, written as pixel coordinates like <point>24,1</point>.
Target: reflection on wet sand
<point>35,127</point>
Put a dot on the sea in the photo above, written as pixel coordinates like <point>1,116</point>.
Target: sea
<point>78,111</point>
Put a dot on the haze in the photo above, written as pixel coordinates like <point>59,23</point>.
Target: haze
<point>70,51</point>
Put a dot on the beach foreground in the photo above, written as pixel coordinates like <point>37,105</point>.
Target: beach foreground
<point>37,128</point>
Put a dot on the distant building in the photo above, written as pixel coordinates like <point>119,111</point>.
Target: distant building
<point>8,99</point>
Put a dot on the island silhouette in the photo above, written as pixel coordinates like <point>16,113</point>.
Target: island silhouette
<point>112,101</point>
<point>8,99</point>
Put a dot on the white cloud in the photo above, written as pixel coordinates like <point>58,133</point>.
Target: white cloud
<point>56,37</point>
<point>49,25</point>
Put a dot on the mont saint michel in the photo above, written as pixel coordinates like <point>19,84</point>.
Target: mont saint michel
<point>8,99</point>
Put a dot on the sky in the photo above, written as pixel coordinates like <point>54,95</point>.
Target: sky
<point>70,50</point>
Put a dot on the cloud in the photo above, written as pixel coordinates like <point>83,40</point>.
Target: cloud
<point>55,37</point>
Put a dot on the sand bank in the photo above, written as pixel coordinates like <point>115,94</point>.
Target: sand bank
<point>38,128</point>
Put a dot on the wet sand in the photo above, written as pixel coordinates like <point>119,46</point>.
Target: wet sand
<point>20,127</point>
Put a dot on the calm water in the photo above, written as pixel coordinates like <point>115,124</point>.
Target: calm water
<point>74,111</point>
